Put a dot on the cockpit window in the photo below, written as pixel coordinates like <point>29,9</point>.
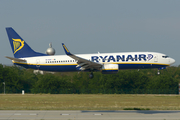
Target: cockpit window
<point>165,56</point>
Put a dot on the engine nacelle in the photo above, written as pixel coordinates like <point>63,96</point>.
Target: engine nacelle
<point>110,69</point>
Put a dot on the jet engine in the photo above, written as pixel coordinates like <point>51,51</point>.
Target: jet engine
<point>110,69</point>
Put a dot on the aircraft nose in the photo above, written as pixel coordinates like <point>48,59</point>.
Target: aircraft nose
<point>172,61</point>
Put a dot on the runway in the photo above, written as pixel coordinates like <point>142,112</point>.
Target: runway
<point>87,115</point>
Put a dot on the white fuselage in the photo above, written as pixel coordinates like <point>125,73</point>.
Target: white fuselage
<point>125,60</point>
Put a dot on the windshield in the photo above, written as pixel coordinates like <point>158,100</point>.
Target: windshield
<point>165,56</point>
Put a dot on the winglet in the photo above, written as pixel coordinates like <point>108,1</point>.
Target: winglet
<point>66,50</point>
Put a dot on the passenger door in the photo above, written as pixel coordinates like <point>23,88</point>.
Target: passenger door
<point>38,63</point>
<point>155,58</point>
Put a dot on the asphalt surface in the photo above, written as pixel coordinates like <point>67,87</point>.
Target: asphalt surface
<point>87,115</point>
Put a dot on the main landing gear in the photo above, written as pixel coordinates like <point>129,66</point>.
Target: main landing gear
<point>91,75</point>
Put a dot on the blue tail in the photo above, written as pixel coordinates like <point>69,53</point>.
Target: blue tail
<point>19,47</point>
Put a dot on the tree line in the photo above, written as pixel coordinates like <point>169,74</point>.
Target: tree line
<point>145,81</point>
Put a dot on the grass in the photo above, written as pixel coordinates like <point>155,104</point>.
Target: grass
<point>88,102</point>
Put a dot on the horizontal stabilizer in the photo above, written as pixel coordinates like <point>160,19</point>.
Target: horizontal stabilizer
<point>16,59</point>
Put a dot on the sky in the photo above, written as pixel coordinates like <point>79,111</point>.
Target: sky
<point>91,26</point>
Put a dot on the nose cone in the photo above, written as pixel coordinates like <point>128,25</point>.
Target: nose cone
<point>172,61</point>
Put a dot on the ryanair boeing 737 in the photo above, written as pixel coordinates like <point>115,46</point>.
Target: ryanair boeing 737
<point>107,63</point>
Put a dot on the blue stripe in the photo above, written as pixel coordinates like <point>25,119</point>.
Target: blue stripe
<point>139,66</point>
<point>109,71</point>
<point>58,68</point>
<point>71,68</point>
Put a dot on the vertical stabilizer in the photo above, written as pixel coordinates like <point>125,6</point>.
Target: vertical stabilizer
<point>19,47</point>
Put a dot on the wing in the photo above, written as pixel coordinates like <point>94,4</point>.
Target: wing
<point>84,64</point>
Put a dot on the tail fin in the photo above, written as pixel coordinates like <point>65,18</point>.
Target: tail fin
<point>19,47</point>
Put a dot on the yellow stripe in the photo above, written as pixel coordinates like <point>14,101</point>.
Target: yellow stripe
<point>137,63</point>
<point>105,63</point>
<point>110,69</point>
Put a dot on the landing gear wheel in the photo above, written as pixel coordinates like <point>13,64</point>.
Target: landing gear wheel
<point>91,75</point>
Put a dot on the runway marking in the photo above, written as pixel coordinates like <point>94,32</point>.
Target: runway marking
<point>64,114</point>
<point>17,114</point>
<point>33,114</point>
<point>97,114</point>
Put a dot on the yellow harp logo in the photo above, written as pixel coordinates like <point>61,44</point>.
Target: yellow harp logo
<point>18,44</point>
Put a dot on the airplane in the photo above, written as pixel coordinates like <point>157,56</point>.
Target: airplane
<point>107,63</point>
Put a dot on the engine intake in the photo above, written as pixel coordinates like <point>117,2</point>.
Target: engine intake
<point>110,69</point>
